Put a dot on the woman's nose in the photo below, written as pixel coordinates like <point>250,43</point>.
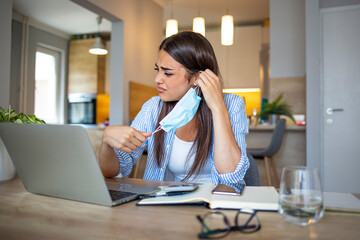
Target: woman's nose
<point>158,78</point>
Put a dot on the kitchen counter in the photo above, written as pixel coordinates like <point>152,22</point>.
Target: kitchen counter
<point>292,151</point>
<point>260,127</point>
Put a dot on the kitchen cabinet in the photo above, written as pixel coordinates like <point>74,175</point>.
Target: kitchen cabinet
<point>86,71</point>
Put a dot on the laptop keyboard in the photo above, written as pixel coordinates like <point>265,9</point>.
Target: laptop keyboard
<point>116,195</point>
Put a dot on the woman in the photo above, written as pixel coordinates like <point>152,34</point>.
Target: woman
<point>211,147</point>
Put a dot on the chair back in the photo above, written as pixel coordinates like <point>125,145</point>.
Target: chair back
<point>252,177</point>
<point>276,138</point>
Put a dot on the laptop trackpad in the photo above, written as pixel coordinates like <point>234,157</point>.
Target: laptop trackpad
<point>131,188</point>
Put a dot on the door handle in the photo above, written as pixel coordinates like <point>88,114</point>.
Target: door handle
<point>330,111</point>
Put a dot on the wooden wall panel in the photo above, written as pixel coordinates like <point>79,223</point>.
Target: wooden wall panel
<point>139,94</point>
<point>86,71</point>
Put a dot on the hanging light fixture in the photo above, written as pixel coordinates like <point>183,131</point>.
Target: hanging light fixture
<point>199,23</point>
<point>227,29</point>
<point>171,27</point>
<point>98,48</point>
<point>171,24</point>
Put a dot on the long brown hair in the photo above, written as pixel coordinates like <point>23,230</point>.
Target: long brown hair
<point>195,53</point>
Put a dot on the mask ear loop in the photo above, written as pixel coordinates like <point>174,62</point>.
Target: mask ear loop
<point>197,89</point>
<point>156,130</point>
<point>197,86</point>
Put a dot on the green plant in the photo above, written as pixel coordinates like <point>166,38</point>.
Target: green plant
<point>277,107</point>
<point>10,116</point>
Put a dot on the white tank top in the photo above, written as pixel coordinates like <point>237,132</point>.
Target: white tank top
<point>179,165</point>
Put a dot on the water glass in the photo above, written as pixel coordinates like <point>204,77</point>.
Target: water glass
<point>300,195</point>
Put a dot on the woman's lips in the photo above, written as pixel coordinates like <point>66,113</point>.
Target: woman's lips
<point>160,89</point>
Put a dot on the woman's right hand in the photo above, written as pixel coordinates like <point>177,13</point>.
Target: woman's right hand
<point>124,138</point>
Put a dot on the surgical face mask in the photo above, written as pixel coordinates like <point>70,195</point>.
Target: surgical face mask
<point>182,113</point>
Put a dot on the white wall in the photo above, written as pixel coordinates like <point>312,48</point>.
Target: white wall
<point>5,49</point>
<point>313,85</point>
<point>287,38</point>
<point>239,63</point>
<point>142,35</point>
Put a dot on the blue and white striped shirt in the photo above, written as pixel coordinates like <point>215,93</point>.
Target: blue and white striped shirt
<point>146,121</point>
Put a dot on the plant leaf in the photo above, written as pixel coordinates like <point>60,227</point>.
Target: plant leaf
<point>9,115</point>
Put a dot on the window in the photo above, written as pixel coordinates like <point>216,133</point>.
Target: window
<point>47,85</point>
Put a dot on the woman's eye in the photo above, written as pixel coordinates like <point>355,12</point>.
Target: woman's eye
<point>165,73</point>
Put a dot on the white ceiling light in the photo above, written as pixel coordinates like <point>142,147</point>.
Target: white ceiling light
<point>227,30</point>
<point>98,48</point>
<point>199,25</point>
<point>171,24</point>
<point>171,27</point>
<point>199,22</point>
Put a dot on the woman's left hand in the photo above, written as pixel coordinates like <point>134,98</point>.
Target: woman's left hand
<point>211,88</point>
<point>227,153</point>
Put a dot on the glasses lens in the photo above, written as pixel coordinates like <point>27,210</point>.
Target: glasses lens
<point>215,225</point>
<point>248,221</point>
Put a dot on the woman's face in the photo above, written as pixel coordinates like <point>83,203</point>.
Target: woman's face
<point>171,78</point>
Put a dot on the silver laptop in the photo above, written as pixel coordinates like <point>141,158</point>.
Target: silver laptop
<point>59,161</point>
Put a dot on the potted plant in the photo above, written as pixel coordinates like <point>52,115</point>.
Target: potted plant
<point>10,116</point>
<point>7,169</point>
<point>273,110</point>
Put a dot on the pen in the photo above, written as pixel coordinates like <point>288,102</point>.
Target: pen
<point>164,194</point>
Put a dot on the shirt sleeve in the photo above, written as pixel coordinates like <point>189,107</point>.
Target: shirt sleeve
<point>144,121</point>
<point>237,114</point>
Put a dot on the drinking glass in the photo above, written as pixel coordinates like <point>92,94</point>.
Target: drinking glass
<point>300,195</point>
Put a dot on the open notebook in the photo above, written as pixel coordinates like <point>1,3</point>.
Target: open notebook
<point>257,198</point>
<point>341,202</point>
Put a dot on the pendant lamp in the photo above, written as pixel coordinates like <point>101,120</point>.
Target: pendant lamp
<point>199,22</point>
<point>98,48</point>
<point>171,27</point>
<point>227,30</point>
<point>199,25</point>
<point>171,24</point>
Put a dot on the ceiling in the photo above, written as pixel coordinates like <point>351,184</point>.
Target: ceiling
<point>63,15</point>
<point>70,18</point>
<point>244,11</point>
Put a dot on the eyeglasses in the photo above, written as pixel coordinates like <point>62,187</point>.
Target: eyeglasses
<point>215,225</point>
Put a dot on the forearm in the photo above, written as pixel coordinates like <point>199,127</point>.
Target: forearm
<point>227,153</point>
<point>108,161</point>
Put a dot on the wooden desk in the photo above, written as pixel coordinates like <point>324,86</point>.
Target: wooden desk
<point>28,216</point>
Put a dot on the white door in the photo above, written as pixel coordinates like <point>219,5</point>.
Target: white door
<point>341,98</point>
